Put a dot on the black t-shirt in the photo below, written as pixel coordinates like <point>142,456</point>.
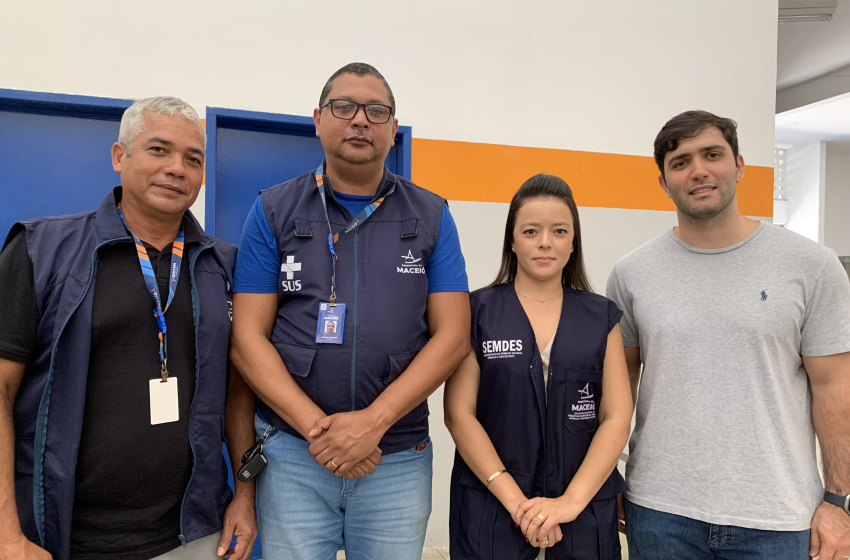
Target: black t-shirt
<point>17,301</point>
<point>131,476</point>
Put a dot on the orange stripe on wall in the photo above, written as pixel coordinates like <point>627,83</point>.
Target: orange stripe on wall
<point>493,172</point>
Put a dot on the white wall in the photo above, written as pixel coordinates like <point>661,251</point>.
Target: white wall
<point>806,182</point>
<point>837,201</point>
<point>568,74</point>
<point>554,73</point>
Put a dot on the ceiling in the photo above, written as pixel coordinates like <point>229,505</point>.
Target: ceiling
<point>809,50</point>
<point>827,120</point>
<point>812,57</point>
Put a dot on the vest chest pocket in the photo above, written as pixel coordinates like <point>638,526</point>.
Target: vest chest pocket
<point>583,390</point>
<point>299,361</point>
<point>397,363</point>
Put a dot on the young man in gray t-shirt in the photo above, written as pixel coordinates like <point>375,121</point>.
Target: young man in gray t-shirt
<point>743,330</point>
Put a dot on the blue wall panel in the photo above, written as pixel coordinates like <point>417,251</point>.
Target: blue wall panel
<point>54,154</point>
<point>248,161</point>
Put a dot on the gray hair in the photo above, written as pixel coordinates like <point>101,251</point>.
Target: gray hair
<point>132,122</point>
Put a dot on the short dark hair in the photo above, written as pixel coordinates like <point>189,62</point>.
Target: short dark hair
<point>689,124</point>
<point>358,69</point>
<point>541,186</point>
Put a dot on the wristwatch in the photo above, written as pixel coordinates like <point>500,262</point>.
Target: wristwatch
<point>838,500</point>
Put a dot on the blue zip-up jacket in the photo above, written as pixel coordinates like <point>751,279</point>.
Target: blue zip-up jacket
<point>49,406</point>
<point>541,434</point>
<point>380,276</point>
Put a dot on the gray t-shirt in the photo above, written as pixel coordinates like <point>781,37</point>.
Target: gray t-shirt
<point>723,431</point>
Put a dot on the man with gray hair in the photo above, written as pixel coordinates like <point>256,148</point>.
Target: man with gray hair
<point>114,377</point>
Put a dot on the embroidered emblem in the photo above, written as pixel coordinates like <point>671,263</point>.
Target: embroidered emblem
<point>411,264</point>
<point>408,258</point>
<point>585,408</point>
<point>764,295</point>
<point>290,267</point>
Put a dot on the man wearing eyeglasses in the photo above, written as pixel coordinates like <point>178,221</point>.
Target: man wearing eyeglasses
<point>344,417</point>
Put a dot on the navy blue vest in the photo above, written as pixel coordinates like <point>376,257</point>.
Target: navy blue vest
<point>380,276</point>
<point>48,411</point>
<point>542,444</point>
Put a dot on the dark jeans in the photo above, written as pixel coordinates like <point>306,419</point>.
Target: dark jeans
<point>654,535</point>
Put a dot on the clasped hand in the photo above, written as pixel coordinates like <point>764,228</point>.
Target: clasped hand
<point>346,444</point>
<point>539,519</point>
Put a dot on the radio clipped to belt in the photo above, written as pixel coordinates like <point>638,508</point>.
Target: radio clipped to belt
<point>253,460</point>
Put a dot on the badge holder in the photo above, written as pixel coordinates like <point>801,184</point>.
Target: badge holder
<point>253,460</point>
<point>331,324</point>
<point>332,314</point>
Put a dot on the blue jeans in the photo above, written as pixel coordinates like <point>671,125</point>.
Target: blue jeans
<point>655,535</point>
<point>307,513</point>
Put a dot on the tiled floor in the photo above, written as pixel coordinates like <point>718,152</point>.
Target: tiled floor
<point>427,554</point>
<point>443,553</point>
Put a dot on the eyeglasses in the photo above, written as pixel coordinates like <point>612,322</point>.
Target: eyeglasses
<point>345,109</point>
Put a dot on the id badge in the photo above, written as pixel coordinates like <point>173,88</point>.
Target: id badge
<point>331,323</point>
<point>164,407</point>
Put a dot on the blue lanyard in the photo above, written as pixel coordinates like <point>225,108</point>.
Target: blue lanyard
<point>153,289</point>
<point>333,238</point>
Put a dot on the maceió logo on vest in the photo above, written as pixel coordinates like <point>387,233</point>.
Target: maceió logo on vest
<point>585,408</point>
<point>410,265</point>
